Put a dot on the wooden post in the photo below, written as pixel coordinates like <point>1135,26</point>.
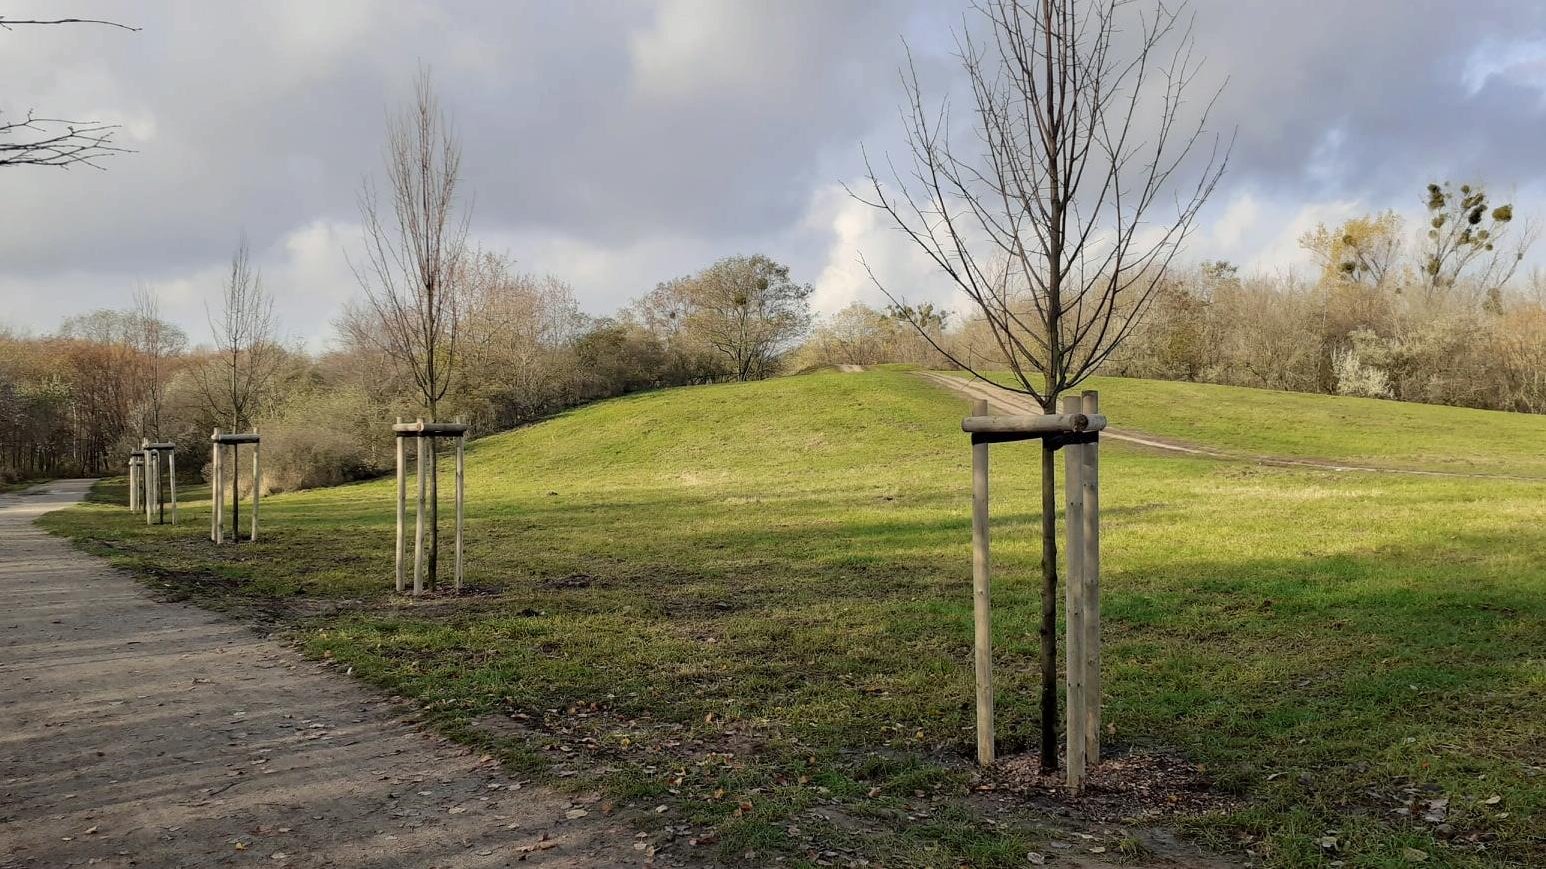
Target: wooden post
<point>134,481</point>
<point>236,492</point>
<point>461,464</point>
<point>214,488</point>
<point>402,500</point>
<point>171,478</point>
<point>145,479</point>
<point>1092,682</point>
<point>257,482</point>
<point>151,493</point>
<point>982,617</point>
<point>1073,606</point>
<point>160,492</point>
<point>418,529</point>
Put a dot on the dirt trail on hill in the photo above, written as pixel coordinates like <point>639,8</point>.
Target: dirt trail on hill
<point>1018,403</point>
<point>136,732</point>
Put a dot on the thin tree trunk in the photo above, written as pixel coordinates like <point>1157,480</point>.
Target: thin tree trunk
<point>1049,609</point>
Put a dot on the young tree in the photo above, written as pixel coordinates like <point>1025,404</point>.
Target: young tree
<point>1060,216</point>
<point>247,352</point>
<point>233,380</point>
<point>157,342</point>
<point>415,241</point>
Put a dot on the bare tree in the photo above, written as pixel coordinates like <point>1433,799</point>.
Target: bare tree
<point>1060,218</point>
<point>1467,238</point>
<point>415,241</point>
<point>41,141</point>
<point>247,352</point>
<point>157,342</point>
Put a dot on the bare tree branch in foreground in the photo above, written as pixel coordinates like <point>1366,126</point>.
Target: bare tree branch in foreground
<point>37,141</point>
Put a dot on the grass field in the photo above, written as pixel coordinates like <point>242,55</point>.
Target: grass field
<point>748,601</point>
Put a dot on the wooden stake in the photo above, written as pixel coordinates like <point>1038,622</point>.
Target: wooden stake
<point>982,616</point>
<point>1073,607</point>
<point>134,480</point>
<point>418,529</point>
<point>145,479</point>
<point>402,502</point>
<point>171,475</point>
<point>1092,680</point>
<point>214,489</point>
<point>236,492</point>
<point>461,464</point>
<point>257,482</point>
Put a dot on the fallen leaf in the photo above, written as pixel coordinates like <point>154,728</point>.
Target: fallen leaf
<point>1036,858</point>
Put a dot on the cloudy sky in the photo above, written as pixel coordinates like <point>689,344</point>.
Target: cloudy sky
<point>618,143</point>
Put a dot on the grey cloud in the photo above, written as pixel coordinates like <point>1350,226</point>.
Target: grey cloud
<point>673,128</point>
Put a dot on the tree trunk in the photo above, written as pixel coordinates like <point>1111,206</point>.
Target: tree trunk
<point>1049,609</point>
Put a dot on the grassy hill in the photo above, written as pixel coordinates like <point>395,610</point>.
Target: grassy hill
<point>759,595</point>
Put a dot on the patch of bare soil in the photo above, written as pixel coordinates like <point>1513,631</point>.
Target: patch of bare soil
<point>572,581</point>
<point>1137,786</point>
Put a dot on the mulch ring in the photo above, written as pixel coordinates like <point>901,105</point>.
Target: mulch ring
<point>1135,785</point>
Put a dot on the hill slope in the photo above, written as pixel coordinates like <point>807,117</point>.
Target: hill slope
<point>779,571</point>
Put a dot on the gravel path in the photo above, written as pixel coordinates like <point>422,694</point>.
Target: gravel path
<point>135,732</point>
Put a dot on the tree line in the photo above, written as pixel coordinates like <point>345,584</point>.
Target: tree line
<point>76,400</point>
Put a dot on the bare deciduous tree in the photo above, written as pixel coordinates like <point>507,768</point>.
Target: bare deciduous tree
<point>157,341</point>
<point>1060,217</point>
<point>246,350</point>
<point>37,141</point>
<point>1467,238</point>
<point>415,242</point>
<point>247,353</point>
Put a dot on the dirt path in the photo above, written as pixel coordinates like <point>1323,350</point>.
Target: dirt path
<point>135,732</point>
<point>1017,403</point>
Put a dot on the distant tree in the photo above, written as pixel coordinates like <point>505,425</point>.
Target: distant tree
<point>1364,250</point>
<point>1466,238</point>
<point>415,241</point>
<point>157,342</point>
<point>745,308</point>
<point>45,141</point>
<point>1059,218</point>
<point>619,357</point>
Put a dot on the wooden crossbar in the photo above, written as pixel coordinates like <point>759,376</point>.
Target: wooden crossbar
<point>234,438</point>
<point>428,429</point>
<point>1035,425</point>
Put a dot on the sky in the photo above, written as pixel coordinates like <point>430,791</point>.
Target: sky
<point>620,143</point>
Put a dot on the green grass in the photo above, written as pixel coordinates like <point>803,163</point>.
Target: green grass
<point>1362,431</point>
<point>761,593</point>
